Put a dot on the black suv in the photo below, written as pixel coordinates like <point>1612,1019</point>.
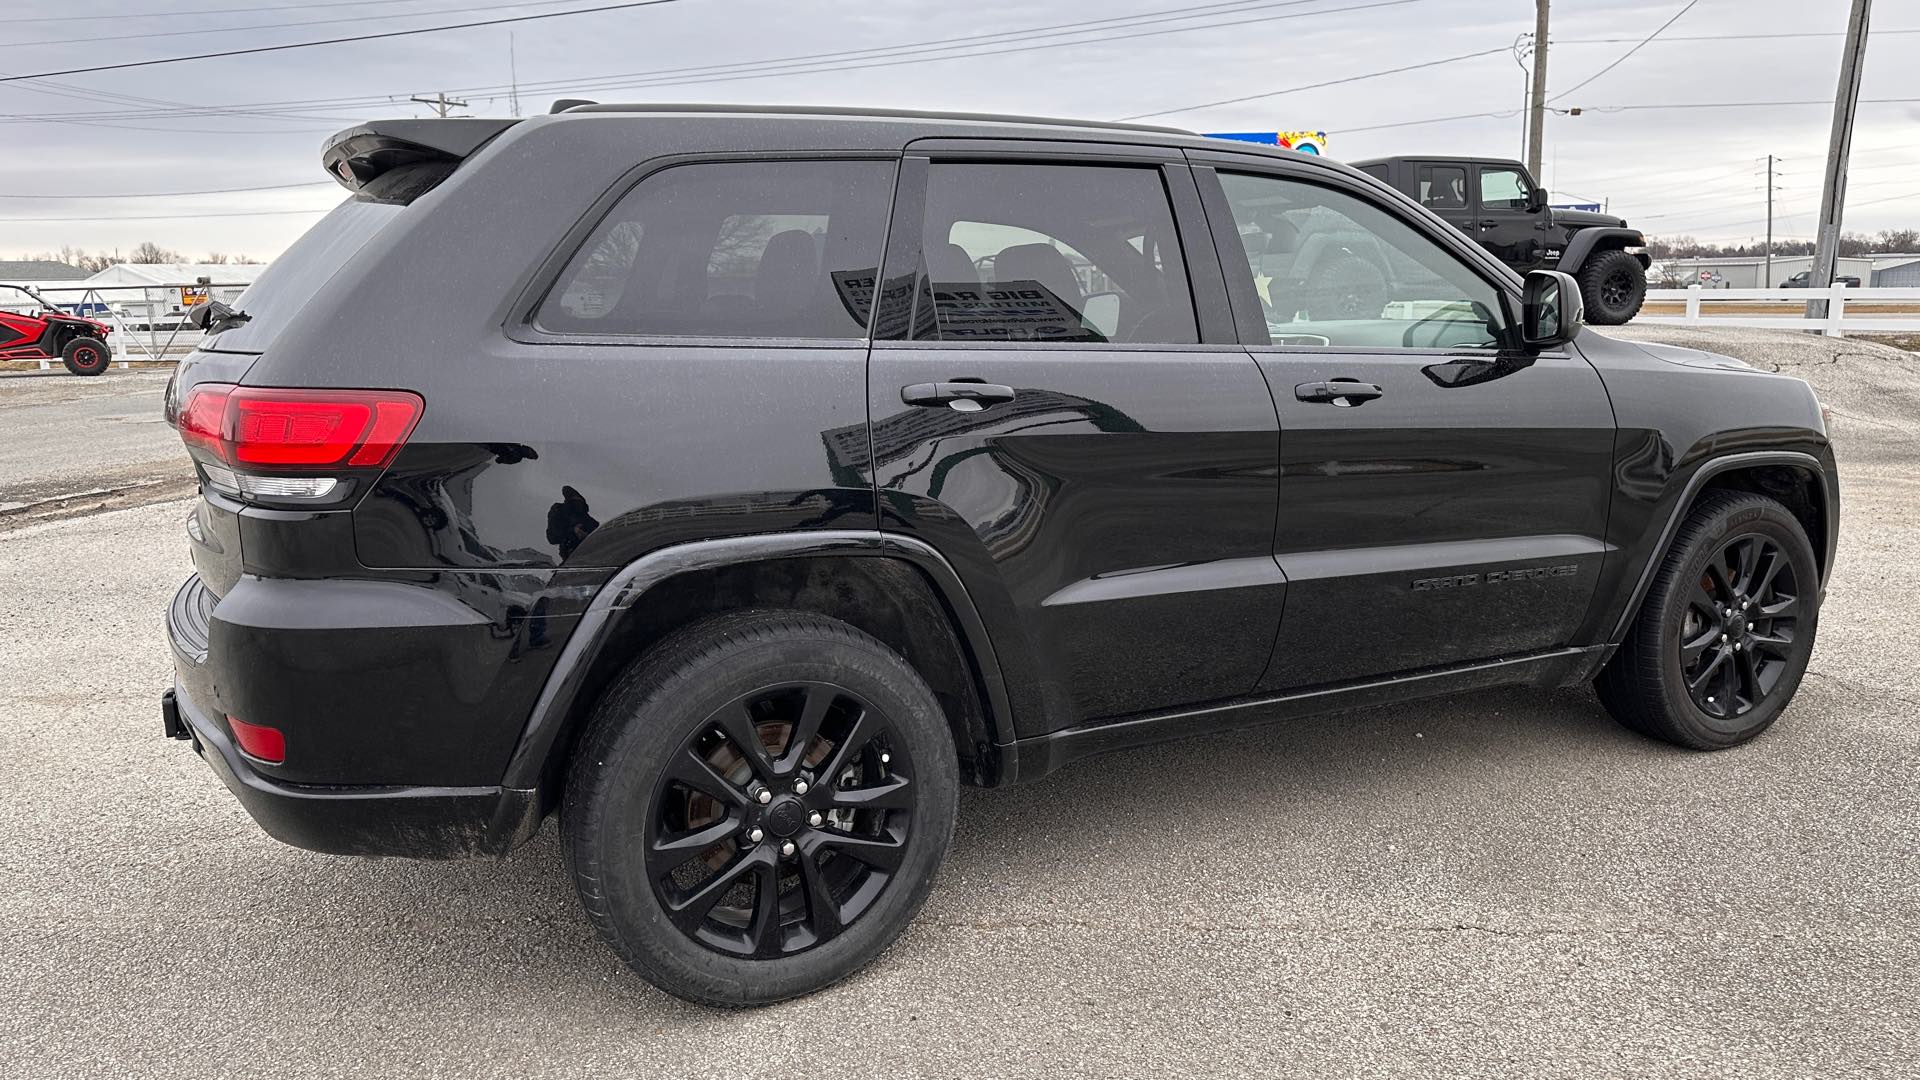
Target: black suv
<point>1497,203</point>
<point>738,483</point>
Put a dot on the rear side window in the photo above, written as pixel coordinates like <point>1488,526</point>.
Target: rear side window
<point>286,285</point>
<point>1074,253</point>
<point>1443,187</point>
<point>766,249</point>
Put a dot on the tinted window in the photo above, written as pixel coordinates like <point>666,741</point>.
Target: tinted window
<point>772,249</point>
<point>1378,172</point>
<point>283,287</point>
<point>1443,187</point>
<point>1080,253</point>
<point>1503,189</point>
<point>1334,269</point>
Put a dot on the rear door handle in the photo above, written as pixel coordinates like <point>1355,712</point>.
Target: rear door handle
<point>958,396</point>
<point>1342,392</point>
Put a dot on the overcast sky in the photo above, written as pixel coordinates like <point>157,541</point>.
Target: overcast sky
<point>1668,170</point>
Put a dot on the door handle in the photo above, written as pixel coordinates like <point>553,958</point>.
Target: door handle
<point>1344,393</point>
<point>1488,224</point>
<point>959,396</point>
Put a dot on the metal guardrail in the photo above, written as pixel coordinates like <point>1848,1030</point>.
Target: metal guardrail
<point>148,324</point>
<point>1837,322</point>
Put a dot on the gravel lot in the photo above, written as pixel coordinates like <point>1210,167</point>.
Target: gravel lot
<point>1498,885</point>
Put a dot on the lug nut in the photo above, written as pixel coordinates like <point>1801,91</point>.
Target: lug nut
<point>787,848</point>
<point>763,796</point>
<point>814,819</point>
<point>885,757</point>
<point>1736,646</point>
<point>755,835</point>
<point>799,787</point>
<point>1723,641</point>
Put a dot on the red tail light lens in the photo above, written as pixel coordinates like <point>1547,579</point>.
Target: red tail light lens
<point>272,428</point>
<point>258,741</point>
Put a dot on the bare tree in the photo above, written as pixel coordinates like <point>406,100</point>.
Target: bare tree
<point>149,253</point>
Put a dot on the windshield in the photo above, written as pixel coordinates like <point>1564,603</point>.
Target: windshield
<point>289,281</point>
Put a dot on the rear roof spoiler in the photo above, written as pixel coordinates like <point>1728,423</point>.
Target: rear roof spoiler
<point>357,155</point>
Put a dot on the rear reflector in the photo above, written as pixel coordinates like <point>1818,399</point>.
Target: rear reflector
<point>269,429</point>
<point>258,741</point>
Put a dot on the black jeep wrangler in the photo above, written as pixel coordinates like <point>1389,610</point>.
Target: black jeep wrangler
<point>1497,203</point>
<point>738,483</point>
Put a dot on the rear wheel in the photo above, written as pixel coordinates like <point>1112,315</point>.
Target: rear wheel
<point>86,356</point>
<point>1724,634</point>
<point>759,806</point>
<point>1613,284</point>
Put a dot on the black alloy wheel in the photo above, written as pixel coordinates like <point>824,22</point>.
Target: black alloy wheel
<point>1738,632</point>
<point>1723,636</point>
<point>759,805</point>
<point>780,820</point>
<point>1617,289</point>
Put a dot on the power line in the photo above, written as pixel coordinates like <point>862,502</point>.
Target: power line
<point>1723,37</point>
<point>203,31</point>
<point>815,63</point>
<point>1503,113</point>
<point>337,41</point>
<point>1319,85</point>
<point>171,217</point>
<point>1623,56</point>
<point>171,14</point>
<point>169,194</point>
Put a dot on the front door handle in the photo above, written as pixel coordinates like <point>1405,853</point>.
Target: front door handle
<point>1342,392</point>
<point>958,396</point>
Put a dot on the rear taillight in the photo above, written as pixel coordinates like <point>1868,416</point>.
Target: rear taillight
<point>251,438</point>
<point>258,741</point>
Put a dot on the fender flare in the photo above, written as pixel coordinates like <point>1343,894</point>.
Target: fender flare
<point>1709,469</point>
<point>527,768</point>
<point>1585,240</point>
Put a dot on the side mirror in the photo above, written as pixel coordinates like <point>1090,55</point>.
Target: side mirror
<point>1101,311</point>
<point>1551,310</point>
<point>1536,199</point>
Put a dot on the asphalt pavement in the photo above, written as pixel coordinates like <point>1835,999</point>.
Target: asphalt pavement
<point>1500,885</point>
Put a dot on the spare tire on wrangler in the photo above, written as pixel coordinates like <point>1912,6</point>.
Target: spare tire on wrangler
<point>1613,283</point>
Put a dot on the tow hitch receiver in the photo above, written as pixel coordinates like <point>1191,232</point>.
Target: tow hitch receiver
<point>170,721</point>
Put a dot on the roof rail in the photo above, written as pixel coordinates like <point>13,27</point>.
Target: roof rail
<point>574,106</point>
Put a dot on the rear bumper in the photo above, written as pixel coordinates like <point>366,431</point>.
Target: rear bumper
<point>216,662</point>
<point>409,822</point>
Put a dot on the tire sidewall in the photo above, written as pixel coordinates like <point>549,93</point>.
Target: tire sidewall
<point>81,345</point>
<point>1594,276</point>
<point>623,793</point>
<point>1773,522</point>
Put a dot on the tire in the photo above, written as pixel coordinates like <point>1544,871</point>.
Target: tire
<point>86,355</point>
<point>1345,287</point>
<point>647,826</point>
<point>1648,684</point>
<point>1614,285</point>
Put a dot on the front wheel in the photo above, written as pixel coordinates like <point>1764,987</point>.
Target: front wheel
<point>86,356</point>
<point>1614,285</point>
<point>1723,637</point>
<point>759,806</point>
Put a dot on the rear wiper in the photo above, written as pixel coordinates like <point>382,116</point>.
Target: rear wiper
<point>214,316</point>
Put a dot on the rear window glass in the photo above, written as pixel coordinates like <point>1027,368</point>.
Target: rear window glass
<point>767,249</point>
<point>289,281</point>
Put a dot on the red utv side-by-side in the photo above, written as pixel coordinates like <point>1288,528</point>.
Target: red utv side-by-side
<point>44,332</point>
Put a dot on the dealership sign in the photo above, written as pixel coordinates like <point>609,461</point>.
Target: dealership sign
<point>1306,142</point>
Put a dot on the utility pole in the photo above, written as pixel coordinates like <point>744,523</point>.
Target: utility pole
<point>513,74</point>
<point>1833,191</point>
<point>440,103</point>
<point>1767,281</point>
<point>1537,111</point>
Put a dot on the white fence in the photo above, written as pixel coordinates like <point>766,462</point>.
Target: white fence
<point>1838,321</point>
<point>149,321</point>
